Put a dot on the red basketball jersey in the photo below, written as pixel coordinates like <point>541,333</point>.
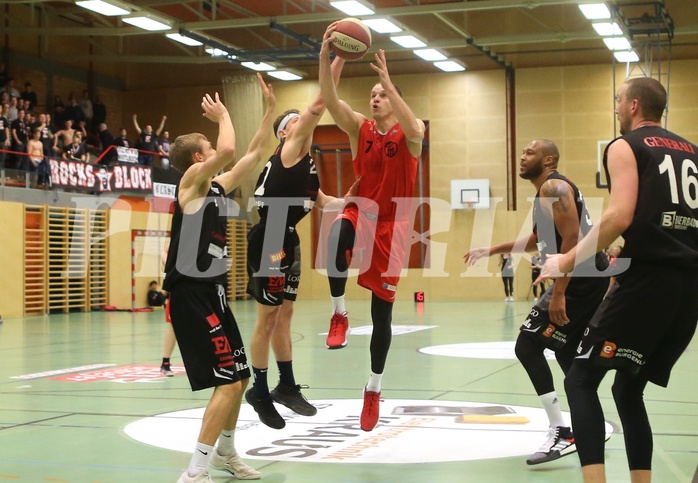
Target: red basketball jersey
<point>386,167</point>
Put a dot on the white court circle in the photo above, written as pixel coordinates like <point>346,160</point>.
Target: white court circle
<point>478,350</point>
<point>410,431</point>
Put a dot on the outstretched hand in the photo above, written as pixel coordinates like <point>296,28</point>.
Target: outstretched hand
<point>213,108</point>
<point>327,39</point>
<point>550,269</point>
<point>476,254</point>
<point>381,67</point>
<point>267,92</point>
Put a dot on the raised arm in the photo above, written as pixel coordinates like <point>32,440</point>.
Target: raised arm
<point>135,123</point>
<point>411,126</point>
<point>161,126</point>
<point>525,244</point>
<point>255,151</point>
<point>196,179</point>
<point>298,142</point>
<point>347,120</point>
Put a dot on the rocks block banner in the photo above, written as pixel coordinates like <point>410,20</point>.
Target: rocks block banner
<point>81,176</point>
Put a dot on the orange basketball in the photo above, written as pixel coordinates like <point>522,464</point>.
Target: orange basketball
<point>352,39</point>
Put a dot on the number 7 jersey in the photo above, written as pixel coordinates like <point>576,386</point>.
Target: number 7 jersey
<point>665,224</point>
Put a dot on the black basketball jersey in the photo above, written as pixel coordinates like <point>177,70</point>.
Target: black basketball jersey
<point>299,182</point>
<point>548,238</point>
<point>665,224</point>
<point>197,240</point>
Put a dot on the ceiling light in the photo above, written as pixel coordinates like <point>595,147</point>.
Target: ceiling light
<point>595,11</point>
<point>606,29</point>
<point>451,65</point>
<point>110,9</point>
<point>354,8</point>
<point>214,52</point>
<point>430,54</point>
<point>382,25</point>
<point>148,22</point>
<point>627,56</point>
<point>258,66</point>
<point>617,43</point>
<point>183,39</point>
<point>287,74</point>
<point>408,40</point>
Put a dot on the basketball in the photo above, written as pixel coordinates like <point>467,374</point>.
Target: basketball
<point>352,39</point>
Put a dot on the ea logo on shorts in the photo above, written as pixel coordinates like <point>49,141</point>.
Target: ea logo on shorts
<point>608,350</point>
<point>549,331</point>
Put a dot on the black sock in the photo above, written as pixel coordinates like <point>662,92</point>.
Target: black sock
<point>261,387</point>
<point>286,373</point>
<point>165,361</point>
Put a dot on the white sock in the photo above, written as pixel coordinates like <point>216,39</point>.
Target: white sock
<point>374,382</point>
<point>338,305</point>
<point>226,442</point>
<point>552,409</point>
<point>199,460</point>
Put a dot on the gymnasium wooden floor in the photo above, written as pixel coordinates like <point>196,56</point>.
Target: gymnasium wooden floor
<point>81,400</point>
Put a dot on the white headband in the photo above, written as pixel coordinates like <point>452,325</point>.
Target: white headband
<point>284,121</point>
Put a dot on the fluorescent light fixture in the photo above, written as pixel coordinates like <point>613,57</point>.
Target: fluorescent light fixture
<point>148,22</point>
<point>617,43</point>
<point>382,25</point>
<point>595,11</point>
<point>258,66</point>
<point>183,39</point>
<point>451,65</point>
<point>353,8</point>
<point>408,40</point>
<point>286,74</point>
<point>110,9</point>
<point>627,56</point>
<point>430,54</point>
<point>607,29</point>
<point>213,52</point>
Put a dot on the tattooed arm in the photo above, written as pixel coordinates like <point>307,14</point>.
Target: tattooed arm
<point>558,201</point>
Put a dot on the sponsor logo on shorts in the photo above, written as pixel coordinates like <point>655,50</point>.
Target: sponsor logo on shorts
<point>673,221</point>
<point>213,320</point>
<point>608,350</point>
<point>278,256</point>
<point>387,286</point>
<point>291,290</point>
<point>269,297</point>
<point>549,331</point>
<point>527,323</point>
<point>534,312</point>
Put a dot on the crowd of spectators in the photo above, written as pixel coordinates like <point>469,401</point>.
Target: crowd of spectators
<point>75,130</point>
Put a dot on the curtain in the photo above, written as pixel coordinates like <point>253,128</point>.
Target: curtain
<point>243,98</point>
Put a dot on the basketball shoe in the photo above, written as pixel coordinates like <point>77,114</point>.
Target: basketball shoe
<point>234,465</point>
<point>560,443</point>
<point>339,330</point>
<point>371,410</point>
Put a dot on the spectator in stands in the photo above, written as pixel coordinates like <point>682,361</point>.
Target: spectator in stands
<point>4,97</point>
<point>19,139</point>
<point>85,104</point>
<point>73,111</point>
<point>99,113</point>
<point>11,89</point>
<point>63,138</point>
<point>155,297</point>
<point>12,111</point>
<point>76,151</point>
<point>58,110</point>
<point>147,140</point>
<point>29,97</point>
<point>164,150</point>
<point>106,139</point>
<point>35,151</point>
<point>5,139</point>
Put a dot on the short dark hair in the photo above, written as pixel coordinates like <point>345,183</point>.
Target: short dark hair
<point>651,95</point>
<point>153,282</point>
<point>183,148</point>
<point>281,118</point>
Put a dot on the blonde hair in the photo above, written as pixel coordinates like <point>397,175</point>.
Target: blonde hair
<point>184,148</point>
